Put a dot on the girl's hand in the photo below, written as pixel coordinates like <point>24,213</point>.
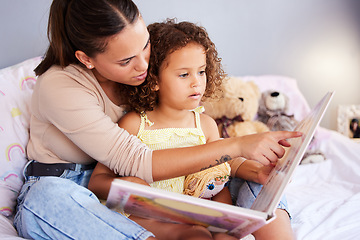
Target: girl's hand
<point>266,147</point>
<point>263,173</point>
<point>251,170</point>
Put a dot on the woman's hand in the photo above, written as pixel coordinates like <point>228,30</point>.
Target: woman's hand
<point>266,147</point>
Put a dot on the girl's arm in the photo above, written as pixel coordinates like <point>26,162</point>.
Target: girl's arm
<point>246,169</point>
<point>101,178</point>
<point>250,170</point>
<point>265,148</point>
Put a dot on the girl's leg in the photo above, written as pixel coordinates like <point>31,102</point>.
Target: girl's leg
<point>173,231</point>
<point>279,229</point>
<point>244,193</point>
<point>58,208</point>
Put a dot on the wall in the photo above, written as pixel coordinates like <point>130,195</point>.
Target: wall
<point>316,42</point>
<point>23,26</point>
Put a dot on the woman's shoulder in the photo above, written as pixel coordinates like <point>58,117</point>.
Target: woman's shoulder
<point>70,71</point>
<point>72,76</point>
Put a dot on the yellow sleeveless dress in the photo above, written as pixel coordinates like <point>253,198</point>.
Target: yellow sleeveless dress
<point>171,138</point>
<point>182,137</point>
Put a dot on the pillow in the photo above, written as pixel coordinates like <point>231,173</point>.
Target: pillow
<point>16,86</point>
<point>297,102</point>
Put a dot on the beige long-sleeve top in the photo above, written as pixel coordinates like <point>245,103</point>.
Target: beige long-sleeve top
<point>74,121</point>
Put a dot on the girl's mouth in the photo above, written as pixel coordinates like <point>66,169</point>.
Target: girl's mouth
<point>195,95</point>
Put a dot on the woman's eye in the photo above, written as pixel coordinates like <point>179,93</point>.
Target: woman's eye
<point>147,44</point>
<point>125,63</point>
<point>202,72</point>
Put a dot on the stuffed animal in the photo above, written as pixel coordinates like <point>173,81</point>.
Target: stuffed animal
<point>274,112</point>
<point>235,111</point>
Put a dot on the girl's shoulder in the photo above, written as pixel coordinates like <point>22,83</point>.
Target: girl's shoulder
<point>207,120</point>
<point>130,122</point>
<point>209,127</point>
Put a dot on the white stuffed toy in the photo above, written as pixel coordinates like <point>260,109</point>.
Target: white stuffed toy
<point>274,112</point>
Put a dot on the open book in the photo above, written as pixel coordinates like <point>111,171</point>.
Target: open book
<point>144,201</point>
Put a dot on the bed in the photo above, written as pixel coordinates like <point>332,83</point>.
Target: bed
<point>324,198</point>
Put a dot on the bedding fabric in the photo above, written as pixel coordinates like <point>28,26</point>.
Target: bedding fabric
<point>16,86</point>
<point>324,198</point>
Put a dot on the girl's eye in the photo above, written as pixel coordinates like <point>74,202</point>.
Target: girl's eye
<point>184,75</point>
<point>202,73</point>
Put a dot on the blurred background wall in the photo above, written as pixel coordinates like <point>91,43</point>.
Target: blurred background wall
<point>316,42</point>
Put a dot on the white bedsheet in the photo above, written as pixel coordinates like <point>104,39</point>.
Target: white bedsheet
<point>324,198</point>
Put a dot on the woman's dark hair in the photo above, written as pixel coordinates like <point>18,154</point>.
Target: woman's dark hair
<point>166,38</point>
<point>84,25</point>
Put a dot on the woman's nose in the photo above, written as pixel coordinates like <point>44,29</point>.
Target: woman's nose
<point>143,63</point>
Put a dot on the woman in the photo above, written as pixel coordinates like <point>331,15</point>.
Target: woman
<point>95,47</point>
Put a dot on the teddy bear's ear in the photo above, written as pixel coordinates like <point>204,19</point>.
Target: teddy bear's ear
<point>256,89</point>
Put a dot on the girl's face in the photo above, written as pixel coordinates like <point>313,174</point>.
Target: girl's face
<point>126,57</point>
<point>182,78</point>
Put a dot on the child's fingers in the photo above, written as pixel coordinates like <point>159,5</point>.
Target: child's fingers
<point>283,135</point>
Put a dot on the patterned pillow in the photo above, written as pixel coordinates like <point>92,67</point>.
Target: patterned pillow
<point>16,86</point>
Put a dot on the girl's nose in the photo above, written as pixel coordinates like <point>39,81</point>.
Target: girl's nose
<point>195,82</point>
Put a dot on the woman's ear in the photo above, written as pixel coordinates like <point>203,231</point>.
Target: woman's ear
<point>84,59</point>
<point>156,88</point>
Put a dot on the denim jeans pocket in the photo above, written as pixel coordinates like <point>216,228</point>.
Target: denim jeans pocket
<point>82,177</point>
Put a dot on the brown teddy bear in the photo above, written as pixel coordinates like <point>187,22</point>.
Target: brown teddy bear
<point>235,111</point>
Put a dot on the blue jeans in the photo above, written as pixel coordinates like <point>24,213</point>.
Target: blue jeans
<point>63,208</point>
<point>243,194</point>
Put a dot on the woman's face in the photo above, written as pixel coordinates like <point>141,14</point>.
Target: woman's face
<point>126,57</point>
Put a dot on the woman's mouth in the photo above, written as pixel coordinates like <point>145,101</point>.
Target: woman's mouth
<point>142,76</point>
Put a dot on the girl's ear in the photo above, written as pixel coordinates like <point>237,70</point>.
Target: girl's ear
<point>84,59</point>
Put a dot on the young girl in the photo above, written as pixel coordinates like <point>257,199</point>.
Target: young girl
<point>184,69</point>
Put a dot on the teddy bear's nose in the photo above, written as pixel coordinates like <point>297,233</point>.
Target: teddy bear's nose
<point>275,94</point>
<point>241,99</point>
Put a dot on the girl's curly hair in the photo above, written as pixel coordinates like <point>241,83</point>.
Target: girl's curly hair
<point>165,38</point>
